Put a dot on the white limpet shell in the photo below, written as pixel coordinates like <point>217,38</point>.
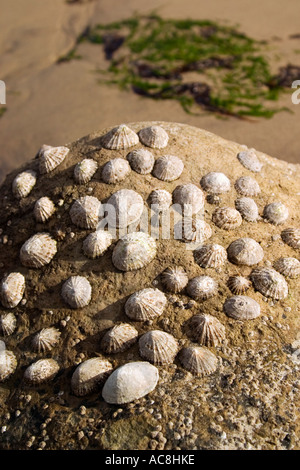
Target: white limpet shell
<point>245,251</point>
<point>160,200</point>
<point>242,307</point>
<point>90,375</point>
<point>77,291</point>
<point>41,371</point>
<point>134,251</point>
<point>288,267</point>
<point>247,208</point>
<point>174,279</point>
<point>207,330</point>
<point>120,137</point>
<point>51,157</point>
<point>249,160</point>
<point>115,171</point>
<point>238,284</point>
<point>146,304</point>
<point>8,364</point>
<point>85,170</point>
<point>12,289</point>
<point>119,338</point>
<point>189,197</point>
<point>86,212</point>
<point>247,186</point>
<point>141,161</point>
<point>198,360</point>
<point>269,283</point>
<point>96,243</point>
<point>192,230</point>
<point>227,218</point>
<point>130,382</point>
<point>125,207</point>
<point>46,339</point>
<point>23,183</point>
<point>43,209</point>
<point>158,347</point>
<point>8,323</point>
<point>215,183</point>
<point>38,250</point>
<point>276,213</point>
<point>210,256</point>
<point>154,136</point>
<point>291,236</point>
<point>202,287</point>
<point>168,168</point>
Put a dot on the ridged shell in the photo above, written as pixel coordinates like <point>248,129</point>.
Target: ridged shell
<point>158,347</point>
<point>86,212</point>
<point>85,170</point>
<point>90,375</point>
<point>288,267</point>
<point>215,183</point>
<point>120,137</point>
<point>238,284</point>
<point>124,208</point>
<point>168,168</point>
<point>8,364</point>
<point>76,291</point>
<point>119,338</point>
<point>12,289</point>
<point>192,230</point>
<point>198,360</point>
<point>245,251</point>
<point>115,171</point>
<point>23,183</point>
<point>247,208</point>
<point>41,371</point>
<point>249,160</point>
<point>97,243</point>
<point>207,330</point>
<point>189,197</point>
<point>291,236</point>
<point>38,250</point>
<point>202,287</point>
<point>134,251</point>
<point>227,218</point>
<point>160,200</point>
<point>247,186</point>
<point>51,157</point>
<point>146,304</point>
<point>8,323</point>
<point>141,161</point>
<point>276,213</point>
<point>43,209</point>
<point>154,136</point>
<point>130,382</point>
<point>46,339</point>
<point>241,307</point>
<point>210,256</point>
<point>269,283</point>
<point>174,279</point>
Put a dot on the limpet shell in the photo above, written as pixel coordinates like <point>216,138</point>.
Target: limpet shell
<point>23,183</point>
<point>269,283</point>
<point>115,171</point>
<point>86,212</point>
<point>51,157</point>
<point>288,267</point>
<point>215,183</point>
<point>46,339</point>
<point>202,287</point>
<point>8,364</point>
<point>119,338</point>
<point>158,347</point>
<point>38,250</point>
<point>210,256</point>
<point>120,137</point>
<point>238,284</point>
<point>41,371</point>
<point>43,209</point>
<point>96,243</point>
<point>245,251</point>
<point>76,291</point>
<point>12,289</point>
<point>198,360</point>
<point>207,330</point>
<point>291,236</point>
<point>130,382</point>
<point>8,323</point>
<point>241,307</point>
<point>160,200</point>
<point>189,197</point>
<point>85,170</point>
<point>141,161</point>
<point>227,218</point>
<point>247,186</point>
<point>89,375</point>
<point>249,160</point>
<point>134,251</point>
<point>154,136</point>
<point>174,279</point>
<point>247,208</point>
<point>125,207</point>
<point>168,168</point>
<point>146,304</point>
<point>276,213</point>
<point>192,230</point>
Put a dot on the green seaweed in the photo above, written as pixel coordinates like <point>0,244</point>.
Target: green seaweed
<point>2,111</point>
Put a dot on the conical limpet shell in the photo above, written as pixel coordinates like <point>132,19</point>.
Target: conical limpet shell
<point>247,186</point>
<point>158,347</point>
<point>38,250</point>
<point>97,243</point>
<point>146,304</point>
<point>245,251</point>
<point>141,161</point>
<point>276,213</point>
<point>85,170</point>
<point>130,382</point>
<point>238,284</point>
<point>168,168</point>
<point>241,307</point>
<point>227,218</point>
<point>124,207</point>
<point>192,230</point>
<point>12,289</point>
<point>23,183</point>
<point>41,371</point>
<point>269,283</point>
<point>174,279</point>
<point>202,287</point>
<point>119,338</point>
<point>51,157</point>
<point>247,208</point>
<point>215,183</point>
<point>160,200</point>
<point>189,197</point>
<point>115,171</point>
<point>8,364</point>
<point>89,375</point>
<point>120,137</point>
<point>46,339</point>
<point>210,256</point>
<point>207,330</point>
<point>43,209</point>
<point>134,251</point>
<point>249,160</point>
<point>154,136</point>
<point>198,360</point>
<point>8,323</point>
<point>86,212</point>
<point>288,267</point>
<point>291,236</point>
<point>76,291</point>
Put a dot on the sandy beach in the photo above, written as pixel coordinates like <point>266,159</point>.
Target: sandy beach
<point>51,103</point>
